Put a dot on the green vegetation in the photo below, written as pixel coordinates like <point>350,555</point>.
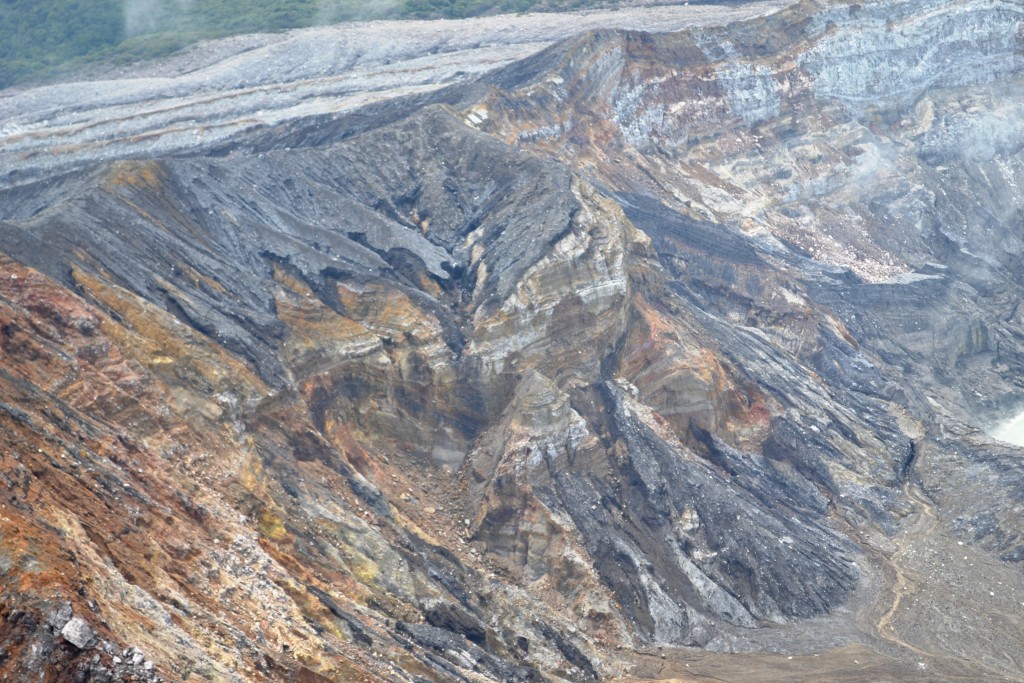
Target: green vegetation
<point>457,9</point>
<point>41,38</point>
<point>38,36</point>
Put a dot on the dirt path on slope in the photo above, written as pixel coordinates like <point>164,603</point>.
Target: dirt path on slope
<point>921,531</point>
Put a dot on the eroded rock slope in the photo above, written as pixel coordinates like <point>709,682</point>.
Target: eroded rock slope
<point>671,343</point>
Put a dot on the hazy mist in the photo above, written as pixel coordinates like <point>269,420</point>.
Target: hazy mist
<point>142,17</point>
<point>332,11</point>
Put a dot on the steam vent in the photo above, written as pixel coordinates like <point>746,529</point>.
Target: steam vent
<point>643,343</point>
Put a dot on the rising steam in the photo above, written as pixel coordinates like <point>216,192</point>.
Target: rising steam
<point>153,16</point>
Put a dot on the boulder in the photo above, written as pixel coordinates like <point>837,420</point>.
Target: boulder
<point>78,632</point>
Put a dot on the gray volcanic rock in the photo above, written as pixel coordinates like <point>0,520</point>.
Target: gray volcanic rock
<point>78,632</point>
<point>642,344</point>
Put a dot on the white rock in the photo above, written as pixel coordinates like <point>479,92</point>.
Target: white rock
<point>78,632</point>
<point>60,617</point>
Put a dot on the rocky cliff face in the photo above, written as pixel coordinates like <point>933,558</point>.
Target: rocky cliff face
<point>649,344</point>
